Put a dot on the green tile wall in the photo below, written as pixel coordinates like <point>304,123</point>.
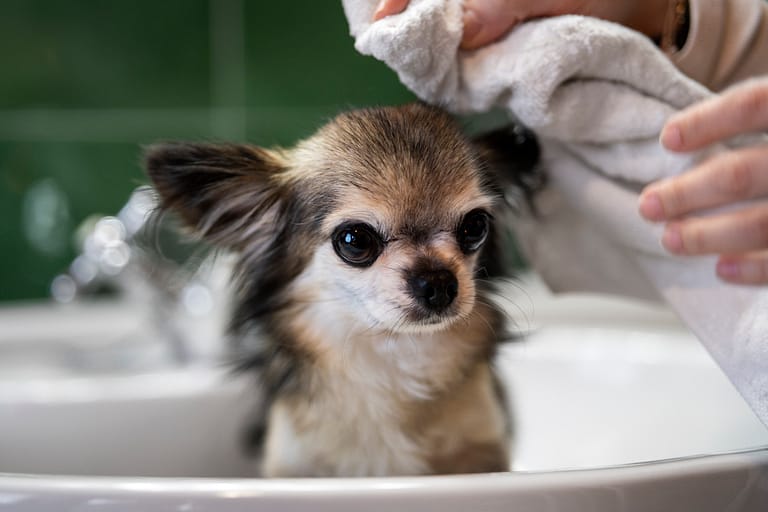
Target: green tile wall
<point>104,54</point>
<point>86,82</point>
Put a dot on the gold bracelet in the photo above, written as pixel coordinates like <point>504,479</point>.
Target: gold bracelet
<point>675,19</point>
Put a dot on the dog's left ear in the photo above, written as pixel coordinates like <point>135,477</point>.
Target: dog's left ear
<point>510,157</point>
<point>229,194</point>
<point>511,154</point>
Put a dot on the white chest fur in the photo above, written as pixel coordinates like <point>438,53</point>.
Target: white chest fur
<point>384,414</point>
<point>335,439</point>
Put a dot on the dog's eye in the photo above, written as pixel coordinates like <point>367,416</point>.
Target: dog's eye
<point>473,231</point>
<point>357,244</point>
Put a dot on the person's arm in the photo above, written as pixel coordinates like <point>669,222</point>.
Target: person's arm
<point>727,42</point>
<point>487,20</point>
<point>727,39</point>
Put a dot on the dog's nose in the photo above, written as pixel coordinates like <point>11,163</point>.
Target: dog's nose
<point>435,289</point>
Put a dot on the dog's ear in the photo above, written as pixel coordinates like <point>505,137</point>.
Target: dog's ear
<point>510,157</point>
<point>511,154</point>
<point>227,193</point>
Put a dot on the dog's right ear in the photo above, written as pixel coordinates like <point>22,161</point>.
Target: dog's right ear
<point>227,193</point>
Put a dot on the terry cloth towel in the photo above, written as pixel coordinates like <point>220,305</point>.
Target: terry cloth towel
<point>597,95</point>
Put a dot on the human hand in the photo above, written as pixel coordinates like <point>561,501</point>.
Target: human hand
<point>739,236</point>
<point>488,20</point>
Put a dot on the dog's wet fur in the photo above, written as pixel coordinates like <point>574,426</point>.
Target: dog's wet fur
<point>363,296</point>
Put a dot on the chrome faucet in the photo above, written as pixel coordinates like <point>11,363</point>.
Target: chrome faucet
<point>138,256</point>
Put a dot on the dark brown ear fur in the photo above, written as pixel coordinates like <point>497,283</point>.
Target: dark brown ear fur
<point>234,197</point>
<point>510,156</point>
<point>221,191</point>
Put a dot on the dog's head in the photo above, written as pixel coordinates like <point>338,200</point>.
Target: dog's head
<point>382,216</point>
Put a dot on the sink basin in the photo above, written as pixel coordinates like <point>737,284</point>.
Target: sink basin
<point>617,407</point>
<point>46,341</point>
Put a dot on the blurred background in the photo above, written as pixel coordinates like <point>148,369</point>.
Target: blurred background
<point>86,83</point>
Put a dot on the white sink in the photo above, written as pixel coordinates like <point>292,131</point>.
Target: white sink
<point>617,408</point>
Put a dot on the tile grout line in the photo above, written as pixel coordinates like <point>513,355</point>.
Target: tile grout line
<point>130,124</point>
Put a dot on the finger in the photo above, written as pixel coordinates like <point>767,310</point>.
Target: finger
<point>389,7</point>
<point>742,109</point>
<point>749,268</point>
<point>734,232</point>
<point>487,20</point>
<point>727,178</point>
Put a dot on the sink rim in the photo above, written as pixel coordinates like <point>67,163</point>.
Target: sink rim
<point>412,486</point>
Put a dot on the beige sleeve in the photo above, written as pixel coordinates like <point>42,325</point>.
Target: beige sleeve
<point>727,42</point>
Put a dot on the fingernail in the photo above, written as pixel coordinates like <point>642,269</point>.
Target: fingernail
<point>378,13</point>
<point>650,206</point>
<point>672,240</point>
<point>472,26</point>
<point>728,269</point>
<point>671,137</point>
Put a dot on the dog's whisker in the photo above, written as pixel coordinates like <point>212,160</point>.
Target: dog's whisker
<point>493,301</point>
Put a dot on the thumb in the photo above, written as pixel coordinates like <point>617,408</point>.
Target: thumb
<point>487,20</point>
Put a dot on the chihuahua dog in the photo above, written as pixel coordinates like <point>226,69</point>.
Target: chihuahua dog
<point>363,286</point>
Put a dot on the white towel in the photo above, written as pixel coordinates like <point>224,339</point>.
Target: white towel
<point>597,95</point>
